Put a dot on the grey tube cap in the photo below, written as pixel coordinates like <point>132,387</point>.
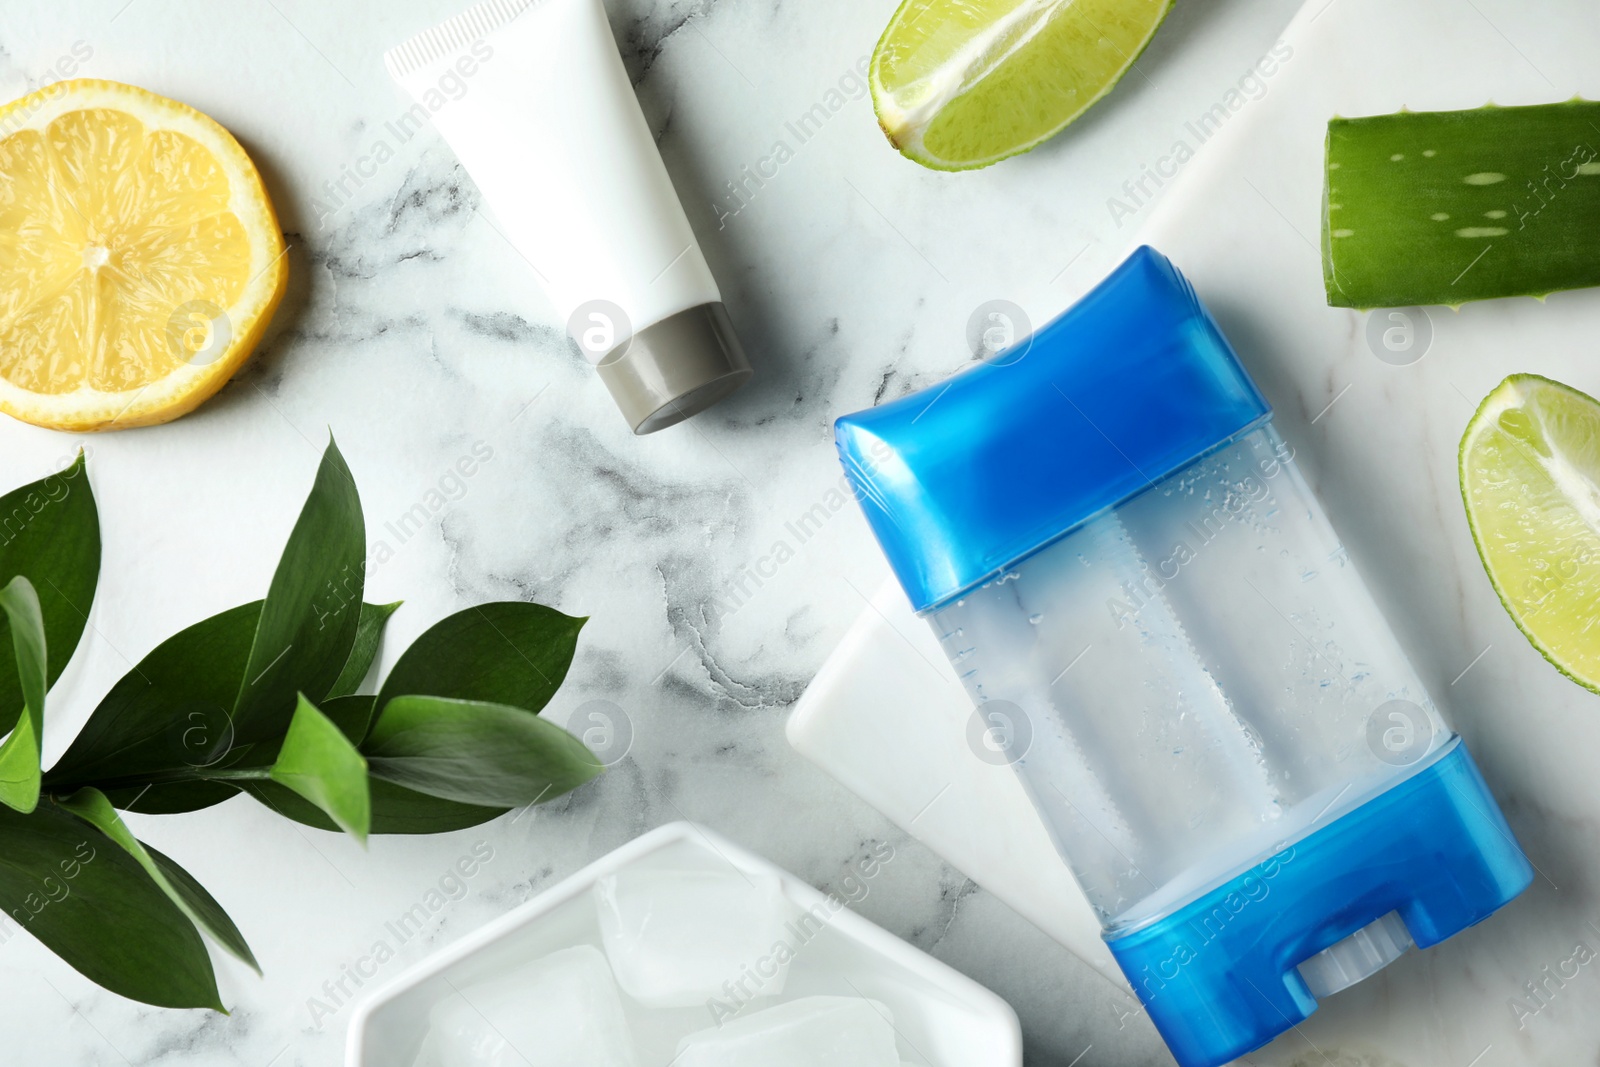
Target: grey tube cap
<point>675,368</point>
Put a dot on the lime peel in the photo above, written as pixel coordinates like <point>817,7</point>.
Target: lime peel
<point>1529,466</point>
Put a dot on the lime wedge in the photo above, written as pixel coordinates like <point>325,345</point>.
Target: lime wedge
<point>960,84</point>
<point>1530,477</point>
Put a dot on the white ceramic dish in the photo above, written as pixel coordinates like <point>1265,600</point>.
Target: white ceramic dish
<point>943,1018</point>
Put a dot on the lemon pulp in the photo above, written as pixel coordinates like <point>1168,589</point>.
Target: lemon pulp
<point>139,257</point>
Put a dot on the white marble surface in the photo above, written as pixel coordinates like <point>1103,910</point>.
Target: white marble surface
<point>413,331</point>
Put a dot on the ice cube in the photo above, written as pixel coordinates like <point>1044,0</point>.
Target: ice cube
<point>810,1032</point>
<point>678,938</point>
<point>559,1011</point>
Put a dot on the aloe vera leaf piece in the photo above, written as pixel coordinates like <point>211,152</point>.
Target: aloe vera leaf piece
<point>1442,207</point>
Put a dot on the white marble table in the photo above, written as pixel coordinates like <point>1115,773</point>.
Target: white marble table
<point>413,332</point>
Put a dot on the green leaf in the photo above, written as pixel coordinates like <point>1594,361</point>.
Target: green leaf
<point>398,810</point>
<point>475,752</point>
<point>289,804</point>
<point>313,608</point>
<point>395,809</point>
<point>19,755</point>
<point>49,531</point>
<point>369,631</point>
<point>321,765</point>
<point>91,903</point>
<point>500,653</point>
<point>198,902</point>
<point>351,714</point>
<point>167,714</point>
<point>170,798</point>
<point>92,807</point>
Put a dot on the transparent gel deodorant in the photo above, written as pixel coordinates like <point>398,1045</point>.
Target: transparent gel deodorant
<point>1164,635</point>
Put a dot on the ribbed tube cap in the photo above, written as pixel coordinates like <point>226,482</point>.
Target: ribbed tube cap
<point>675,368</point>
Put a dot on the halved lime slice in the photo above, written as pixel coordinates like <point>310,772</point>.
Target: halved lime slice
<point>1530,477</point>
<point>960,84</point>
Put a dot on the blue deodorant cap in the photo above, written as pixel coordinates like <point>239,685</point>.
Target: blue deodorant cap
<point>1132,383</point>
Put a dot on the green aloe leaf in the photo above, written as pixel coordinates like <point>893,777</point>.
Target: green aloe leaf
<point>50,532</point>
<point>395,809</point>
<point>369,631</point>
<point>93,905</point>
<point>19,755</point>
<point>170,713</point>
<point>92,807</point>
<point>1442,207</point>
<point>319,763</point>
<point>313,608</point>
<point>475,752</point>
<point>501,653</point>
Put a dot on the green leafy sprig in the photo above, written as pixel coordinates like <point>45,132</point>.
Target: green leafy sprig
<point>261,699</point>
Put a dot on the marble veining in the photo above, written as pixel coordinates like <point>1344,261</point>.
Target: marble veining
<point>414,332</point>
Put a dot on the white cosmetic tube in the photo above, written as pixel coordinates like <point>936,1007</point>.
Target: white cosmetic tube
<point>534,99</point>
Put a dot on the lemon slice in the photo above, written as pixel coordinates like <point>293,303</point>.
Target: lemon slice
<point>140,259</point>
<point>1530,477</point>
<point>960,84</point>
